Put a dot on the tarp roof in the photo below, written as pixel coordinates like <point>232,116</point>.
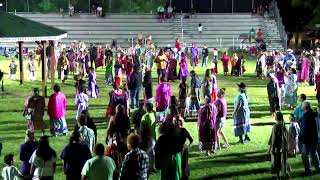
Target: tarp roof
<point>14,28</point>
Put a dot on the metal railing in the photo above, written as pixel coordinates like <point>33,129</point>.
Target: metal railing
<point>281,28</point>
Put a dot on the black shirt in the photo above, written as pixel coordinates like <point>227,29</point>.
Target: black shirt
<point>205,52</point>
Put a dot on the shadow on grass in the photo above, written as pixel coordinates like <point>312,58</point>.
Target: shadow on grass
<point>263,124</point>
<point>232,175</point>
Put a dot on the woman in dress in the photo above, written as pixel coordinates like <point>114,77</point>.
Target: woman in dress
<point>291,88</point>
<point>116,96</point>
<point>71,58</point>
<point>100,57</point>
<point>34,108</point>
<point>92,84</point>
<point>172,67</point>
<point>241,115</point>
<point>43,160</point>
<point>26,151</point>
<point>183,72</point>
<point>234,63</point>
<point>163,94</point>
<point>206,126</point>
<point>304,75</point>
<point>278,143</point>
<point>225,62</point>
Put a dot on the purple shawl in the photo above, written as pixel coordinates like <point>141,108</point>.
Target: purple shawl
<point>163,94</point>
<point>206,123</point>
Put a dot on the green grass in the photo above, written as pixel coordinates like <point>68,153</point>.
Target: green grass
<point>249,161</point>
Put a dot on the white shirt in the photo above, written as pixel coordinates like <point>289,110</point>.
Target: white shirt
<point>10,173</point>
<point>200,28</point>
<point>88,137</point>
<point>43,168</point>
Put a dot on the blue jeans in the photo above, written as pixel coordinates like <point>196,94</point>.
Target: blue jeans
<point>194,105</point>
<point>135,95</point>
<point>310,151</point>
<point>192,61</point>
<point>204,61</point>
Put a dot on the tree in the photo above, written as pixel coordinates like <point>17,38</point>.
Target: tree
<point>313,6</point>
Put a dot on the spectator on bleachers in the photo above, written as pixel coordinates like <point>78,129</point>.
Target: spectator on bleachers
<point>71,10</point>
<point>260,34</point>
<point>99,11</point>
<point>170,12</point>
<point>160,11</point>
<point>252,34</point>
<point>200,28</point>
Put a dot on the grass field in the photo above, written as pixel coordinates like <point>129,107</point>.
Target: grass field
<point>249,161</point>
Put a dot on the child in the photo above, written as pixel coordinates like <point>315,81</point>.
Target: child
<point>280,78</point>
<point>31,69</point>
<point>13,70</point>
<point>259,68</point>
<point>234,63</point>
<point>109,76</point>
<point>278,143</point>
<point>92,84</point>
<point>118,73</point>
<point>81,100</point>
<point>215,60</point>
<point>183,95</point>
<point>10,172</point>
<point>79,83</point>
<point>64,67</point>
<point>147,84</point>
<point>194,93</point>
<point>214,85</point>
<point>294,131</point>
<point>222,109</point>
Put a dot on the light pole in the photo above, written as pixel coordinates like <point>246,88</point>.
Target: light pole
<point>6,5</point>
<point>89,6</point>
<point>28,7</point>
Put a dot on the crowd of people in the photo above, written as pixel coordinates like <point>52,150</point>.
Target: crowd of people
<point>134,146</point>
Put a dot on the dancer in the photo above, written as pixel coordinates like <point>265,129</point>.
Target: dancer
<point>57,106</point>
<point>278,150</point>
<point>241,115</point>
<point>92,83</point>
<point>291,88</point>
<point>274,93</point>
<point>225,62</point>
<point>222,112</point>
<point>206,122</point>
<point>82,101</point>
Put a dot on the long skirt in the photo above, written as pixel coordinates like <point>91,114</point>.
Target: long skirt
<point>36,124</point>
<point>58,126</point>
<point>290,98</point>
<point>242,122</point>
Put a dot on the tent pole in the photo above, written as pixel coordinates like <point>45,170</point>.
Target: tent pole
<point>52,64</point>
<point>21,62</point>
<point>43,64</point>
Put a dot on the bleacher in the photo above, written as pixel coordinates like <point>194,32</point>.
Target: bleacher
<point>220,30</point>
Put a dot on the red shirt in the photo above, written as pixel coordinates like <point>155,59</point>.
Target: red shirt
<point>178,46</point>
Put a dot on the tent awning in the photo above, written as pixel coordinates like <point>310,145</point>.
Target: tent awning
<point>15,28</point>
